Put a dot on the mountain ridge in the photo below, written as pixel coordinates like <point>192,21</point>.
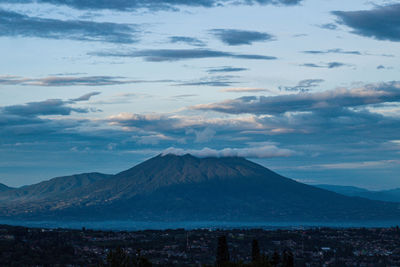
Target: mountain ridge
<point>390,195</point>
<point>171,187</point>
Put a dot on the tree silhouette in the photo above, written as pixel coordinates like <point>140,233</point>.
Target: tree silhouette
<point>255,251</point>
<point>287,260</point>
<point>119,258</point>
<point>222,252</point>
<point>275,259</point>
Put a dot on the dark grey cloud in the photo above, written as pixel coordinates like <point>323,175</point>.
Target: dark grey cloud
<point>302,86</point>
<point>333,51</point>
<point>186,40</point>
<point>14,24</point>
<point>56,81</point>
<point>326,100</point>
<point>329,65</point>
<point>332,65</point>
<point>381,23</point>
<point>311,65</point>
<point>47,107</point>
<point>382,67</point>
<point>127,5</point>
<point>81,81</point>
<point>161,55</point>
<point>240,37</point>
<point>225,69</point>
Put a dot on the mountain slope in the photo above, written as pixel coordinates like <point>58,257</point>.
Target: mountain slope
<point>52,188</point>
<point>4,188</point>
<point>392,195</point>
<point>188,188</point>
<point>343,189</point>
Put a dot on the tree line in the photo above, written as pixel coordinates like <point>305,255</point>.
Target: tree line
<point>119,258</point>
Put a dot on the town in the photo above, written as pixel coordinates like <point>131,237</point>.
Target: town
<point>22,246</point>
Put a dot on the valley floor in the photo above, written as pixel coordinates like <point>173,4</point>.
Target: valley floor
<point>22,246</point>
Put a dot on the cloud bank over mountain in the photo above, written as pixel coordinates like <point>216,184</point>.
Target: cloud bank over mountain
<point>259,151</point>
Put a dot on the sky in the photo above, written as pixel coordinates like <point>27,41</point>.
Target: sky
<point>307,88</point>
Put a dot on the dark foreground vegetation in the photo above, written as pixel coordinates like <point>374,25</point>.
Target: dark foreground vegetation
<point>21,246</point>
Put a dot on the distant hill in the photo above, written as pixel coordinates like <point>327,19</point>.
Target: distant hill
<point>392,195</point>
<point>343,189</point>
<point>187,188</point>
<point>53,188</point>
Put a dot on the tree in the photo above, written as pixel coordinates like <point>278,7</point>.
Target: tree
<point>275,259</point>
<point>255,251</point>
<point>141,261</point>
<point>117,258</point>
<point>222,252</point>
<point>287,260</point>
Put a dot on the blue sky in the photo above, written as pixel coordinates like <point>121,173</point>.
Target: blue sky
<point>308,88</point>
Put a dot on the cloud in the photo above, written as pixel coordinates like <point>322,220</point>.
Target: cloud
<point>56,81</point>
<point>302,129</point>
<point>329,65</point>
<point>244,90</point>
<point>128,5</point>
<point>240,37</point>
<point>47,107</point>
<point>331,99</point>
<point>381,23</point>
<point>354,165</point>
<point>262,151</point>
<point>186,40</point>
<point>162,55</point>
<point>381,67</point>
<point>183,96</point>
<point>333,51</point>
<point>152,139</point>
<point>302,86</point>
<point>332,65</point>
<point>224,80</point>
<point>12,80</point>
<point>225,69</point>
<point>85,97</point>
<point>80,81</point>
<point>171,123</point>
<point>205,135</point>
<point>14,24</point>
<point>328,26</point>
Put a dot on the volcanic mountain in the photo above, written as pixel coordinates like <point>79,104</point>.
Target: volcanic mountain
<point>187,188</point>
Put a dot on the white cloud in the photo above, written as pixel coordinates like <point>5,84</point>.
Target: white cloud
<point>264,151</point>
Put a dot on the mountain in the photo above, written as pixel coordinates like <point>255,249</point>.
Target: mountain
<point>343,189</point>
<point>392,195</point>
<point>187,188</point>
<point>4,188</point>
<point>51,189</point>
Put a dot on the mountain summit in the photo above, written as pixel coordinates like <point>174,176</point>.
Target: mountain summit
<point>187,188</point>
